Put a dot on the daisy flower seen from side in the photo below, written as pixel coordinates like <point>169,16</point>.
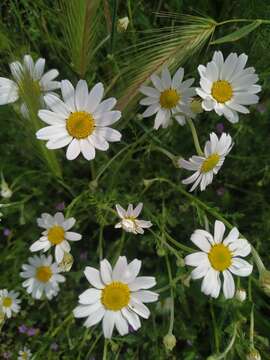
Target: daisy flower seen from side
<point>205,167</point>
<point>24,354</point>
<point>129,221</point>
<point>9,302</point>
<point>169,98</point>
<point>42,83</point>
<point>56,234</point>
<point>81,122</point>
<point>226,86</point>
<point>42,277</point>
<point>117,296</point>
<point>217,256</point>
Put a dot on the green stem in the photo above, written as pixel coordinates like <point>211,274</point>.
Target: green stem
<point>115,5</point>
<point>230,345</point>
<point>215,327</point>
<point>166,287</point>
<point>100,243</point>
<point>105,348</point>
<point>170,331</point>
<point>195,137</point>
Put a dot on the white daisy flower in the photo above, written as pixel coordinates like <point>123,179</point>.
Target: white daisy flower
<point>24,354</point>
<point>226,86</point>
<point>56,234</point>
<point>81,121</point>
<point>9,302</point>
<point>117,296</point>
<point>170,97</point>
<point>205,167</point>
<point>129,221</point>
<point>42,276</point>
<point>43,83</point>
<point>219,256</point>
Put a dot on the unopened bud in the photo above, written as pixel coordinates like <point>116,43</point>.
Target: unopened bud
<point>241,295</point>
<point>161,251</point>
<point>6,192</point>
<point>253,355</point>
<point>122,24</point>
<point>169,342</point>
<point>180,262</point>
<point>265,281</point>
<point>196,106</point>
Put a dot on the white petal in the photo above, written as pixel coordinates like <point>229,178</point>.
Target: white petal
<point>240,267</point>
<point>151,110</point>
<point>145,296</point>
<point>68,94</point>
<point>108,323</point>
<point>142,282</point>
<point>201,239</point>
<point>228,285</point>
<point>106,271</point>
<point>157,82</point>
<point>109,134</point>
<point>81,94</point>
<point>73,150</point>
<point>95,97</point>
<point>137,210</point>
<point>196,258</point>
<point>139,308</point>
<point>38,245</point>
<point>219,231</point>
<point>108,118</point>
<point>149,91</point>
<point>119,268</point>
<point>89,296</point>
<point>94,278</point>
<point>121,323</point>
<point>73,236</point>
<point>51,117</point>
<point>39,68</point>
<point>87,149</point>
<point>132,318</point>
<point>95,317</point>
<point>166,78</point>
<point>57,105</point>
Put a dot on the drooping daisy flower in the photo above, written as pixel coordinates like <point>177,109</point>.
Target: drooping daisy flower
<point>219,256</point>
<point>205,167</point>
<point>56,234</point>
<point>81,121</point>
<point>129,221</point>
<point>24,354</point>
<point>170,97</point>
<point>9,302</point>
<point>226,86</point>
<point>42,276</point>
<point>42,83</point>
<point>117,296</point>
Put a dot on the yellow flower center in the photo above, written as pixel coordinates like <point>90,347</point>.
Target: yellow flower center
<point>115,296</point>
<point>44,273</point>
<point>7,302</point>
<point>80,124</point>
<point>222,91</point>
<point>220,257</point>
<point>169,98</point>
<point>56,235</point>
<point>210,163</point>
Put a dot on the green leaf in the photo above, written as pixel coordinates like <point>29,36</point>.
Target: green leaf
<point>238,34</point>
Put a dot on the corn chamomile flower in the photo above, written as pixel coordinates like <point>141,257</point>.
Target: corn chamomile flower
<point>81,121</point>
<point>42,83</point>
<point>42,276</point>
<point>129,221</point>
<point>56,234</point>
<point>169,98</point>
<point>219,255</point>
<point>24,354</point>
<point>9,302</point>
<point>205,167</point>
<point>117,296</point>
<point>226,86</point>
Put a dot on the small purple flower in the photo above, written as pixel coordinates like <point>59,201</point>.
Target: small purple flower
<point>32,332</point>
<point>7,355</point>
<point>83,255</point>
<point>6,232</point>
<point>54,346</point>
<point>60,206</point>
<point>221,191</point>
<point>130,329</point>
<point>261,108</point>
<point>220,128</point>
<point>23,329</point>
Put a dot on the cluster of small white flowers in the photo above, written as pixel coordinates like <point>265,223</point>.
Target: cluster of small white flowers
<point>80,120</point>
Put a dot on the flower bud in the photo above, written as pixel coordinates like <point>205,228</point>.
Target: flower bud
<point>122,24</point>
<point>169,342</point>
<point>6,192</point>
<point>241,295</point>
<point>253,355</point>
<point>196,106</point>
<point>180,262</point>
<point>265,281</point>
<point>161,251</point>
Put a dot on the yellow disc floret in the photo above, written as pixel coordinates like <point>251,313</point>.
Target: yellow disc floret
<point>210,163</point>
<point>169,98</point>
<point>222,91</point>
<point>115,296</point>
<point>44,273</point>
<point>220,257</point>
<point>80,124</point>
<point>7,302</point>
<point>56,235</point>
